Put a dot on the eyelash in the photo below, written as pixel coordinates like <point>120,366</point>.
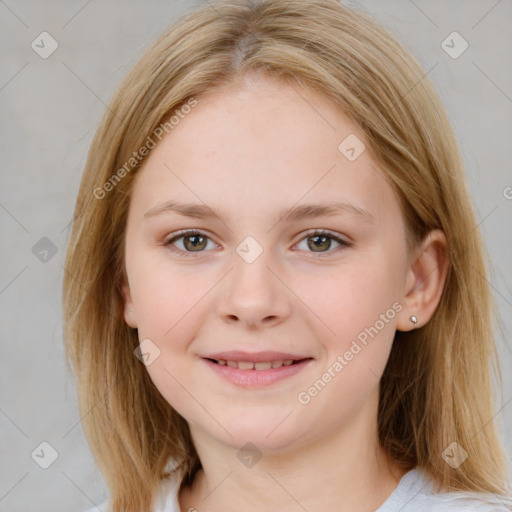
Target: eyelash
<point>312,232</point>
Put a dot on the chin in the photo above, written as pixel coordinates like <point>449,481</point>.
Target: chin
<point>261,437</point>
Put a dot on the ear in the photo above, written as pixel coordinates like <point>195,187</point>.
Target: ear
<point>129,309</point>
<point>425,281</point>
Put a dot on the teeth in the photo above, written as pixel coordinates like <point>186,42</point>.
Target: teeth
<point>247,365</point>
<point>262,366</point>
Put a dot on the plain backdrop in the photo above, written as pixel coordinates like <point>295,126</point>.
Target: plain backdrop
<point>50,108</point>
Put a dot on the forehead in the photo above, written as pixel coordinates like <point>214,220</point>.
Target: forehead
<point>259,142</point>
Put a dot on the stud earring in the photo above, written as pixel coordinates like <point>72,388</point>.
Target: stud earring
<point>413,319</point>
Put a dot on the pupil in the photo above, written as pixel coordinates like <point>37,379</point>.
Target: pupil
<point>316,244</point>
<point>195,244</point>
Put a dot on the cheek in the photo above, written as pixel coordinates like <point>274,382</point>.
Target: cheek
<point>170,316</point>
<point>171,377</point>
<point>358,303</point>
<point>165,296</point>
<point>360,307</point>
<point>171,302</point>
<point>350,298</point>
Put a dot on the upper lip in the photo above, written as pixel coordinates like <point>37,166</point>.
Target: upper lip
<point>256,357</point>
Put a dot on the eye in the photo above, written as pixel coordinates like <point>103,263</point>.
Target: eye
<point>195,242</point>
<point>318,239</point>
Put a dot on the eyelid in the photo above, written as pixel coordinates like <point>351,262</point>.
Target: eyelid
<point>168,241</point>
<point>344,239</point>
<point>344,244</point>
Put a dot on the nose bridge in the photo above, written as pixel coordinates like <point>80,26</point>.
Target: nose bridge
<point>252,275</point>
<point>254,293</point>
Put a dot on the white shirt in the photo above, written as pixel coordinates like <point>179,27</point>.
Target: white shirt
<point>414,493</point>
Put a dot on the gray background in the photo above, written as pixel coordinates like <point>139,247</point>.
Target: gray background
<point>49,111</point>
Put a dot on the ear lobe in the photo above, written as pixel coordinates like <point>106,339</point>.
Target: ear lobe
<point>425,281</point>
<point>129,310</point>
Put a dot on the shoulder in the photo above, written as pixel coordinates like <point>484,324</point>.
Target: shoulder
<point>471,502</point>
<point>415,493</point>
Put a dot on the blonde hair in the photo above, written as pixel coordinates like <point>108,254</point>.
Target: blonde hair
<point>436,388</point>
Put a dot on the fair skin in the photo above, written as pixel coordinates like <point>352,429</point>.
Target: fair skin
<point>247,151</point>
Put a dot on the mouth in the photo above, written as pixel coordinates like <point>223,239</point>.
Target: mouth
<point>251,374</point>
<point>258,366</point>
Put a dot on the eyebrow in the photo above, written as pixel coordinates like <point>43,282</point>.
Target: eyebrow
<point>296,213</point>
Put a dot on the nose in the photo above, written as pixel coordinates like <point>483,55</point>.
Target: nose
<point>254,295</point>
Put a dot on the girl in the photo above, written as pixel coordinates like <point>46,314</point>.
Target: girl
<point>275,293</point>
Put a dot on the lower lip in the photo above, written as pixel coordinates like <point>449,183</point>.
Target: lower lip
<point>257,378</point>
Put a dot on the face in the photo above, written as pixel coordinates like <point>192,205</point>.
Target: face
<point>249,278</point>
